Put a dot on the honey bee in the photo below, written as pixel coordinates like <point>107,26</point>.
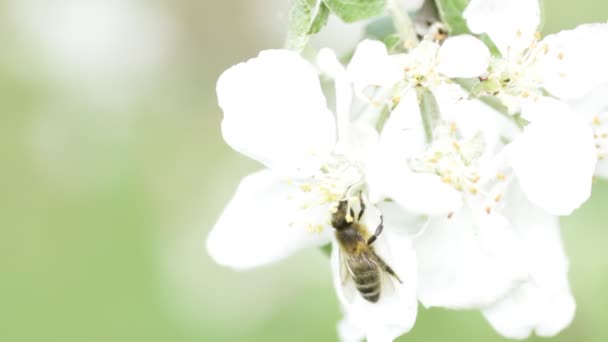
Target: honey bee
<point>358,260</point>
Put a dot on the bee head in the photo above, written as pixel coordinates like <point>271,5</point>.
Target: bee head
<point>343,217</point>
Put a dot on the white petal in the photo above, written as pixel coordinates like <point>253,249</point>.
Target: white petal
<point>275,111</point>
<point>362,142</point>
<point>510,24</point>
<point>546,310</point>
<point>389,174</point>
<point>255,227</point>
<point>544,303</point>
<point>575,62</point>
<point>554,158</point>
<point>329,64</point>
<point>601,169</point>
<point>348,331</point>
<point>372,66</point>
<point>594,108</point>
<point>472,116</point>
<point>468,260</point>
<point>395,313</point>
<point>463,56</point>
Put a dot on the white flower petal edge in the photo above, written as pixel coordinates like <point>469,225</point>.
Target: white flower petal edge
<point>463,56</point>
<point>395,313</point>
<point>574,63</point>
<point>544,303</point>
<point>468,260</point>
<point>276,89</point>
<point>554,158</point>
<point>371,65</point>
<point>256,227</point>
<point>510,24</point>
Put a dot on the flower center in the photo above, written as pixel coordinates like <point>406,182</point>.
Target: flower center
<point>457,162</point>
<point>421,64</point>
<point>336,180</point>
<point>520,73</point>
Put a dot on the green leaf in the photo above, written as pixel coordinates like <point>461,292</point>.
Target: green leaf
<point>450,12</point>
<point>306,17</point>
<point>382,29</point>
<point>355,10</point>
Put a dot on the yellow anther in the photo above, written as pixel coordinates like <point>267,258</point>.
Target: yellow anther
<point>525,94</point>
<point>306,187</point>
<point>546,48</point>
<point>560,56</point>
<point>450,214</point>
<point>537,35</point>
<point>473,190</point>
<point>604,135</point>
<point>456,145</point>
<point>498,198</point>
<point>596,120</point>
<point>518,33</point>
<point>453,127</point>
<point>314,228</point>
<point>475,179</point>
<point>488,210</point>
<point>396,99</point>
<point>446,179</point>
<point>501,176</point>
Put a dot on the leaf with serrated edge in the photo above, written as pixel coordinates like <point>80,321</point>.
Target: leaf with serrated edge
<point>355,10</point>
<point>306,17</point>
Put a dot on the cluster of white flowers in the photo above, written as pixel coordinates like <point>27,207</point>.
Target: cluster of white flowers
<point>470,197</point>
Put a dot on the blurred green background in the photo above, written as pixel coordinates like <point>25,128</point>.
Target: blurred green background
<point>114,170</point>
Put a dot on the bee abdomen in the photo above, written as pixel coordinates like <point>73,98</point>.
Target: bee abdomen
<point>368,284</point>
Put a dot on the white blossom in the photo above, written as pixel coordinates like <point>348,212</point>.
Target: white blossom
<point>275,112</point>
<point>427,65</point>
<point>554,157</point>
<point>487,250</point>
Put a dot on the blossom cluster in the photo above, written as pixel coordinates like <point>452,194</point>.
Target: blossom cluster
<point>467,152</point>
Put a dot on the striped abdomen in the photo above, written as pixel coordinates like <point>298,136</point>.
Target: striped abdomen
<point>367,279</point>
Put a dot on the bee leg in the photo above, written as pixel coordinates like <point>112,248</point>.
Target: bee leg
<point>377,233</point>
<point>362,206</point>
<point>388,269</point>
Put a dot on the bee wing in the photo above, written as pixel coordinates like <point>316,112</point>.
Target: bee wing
<point>348,284</point>
<point>387,280</point>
